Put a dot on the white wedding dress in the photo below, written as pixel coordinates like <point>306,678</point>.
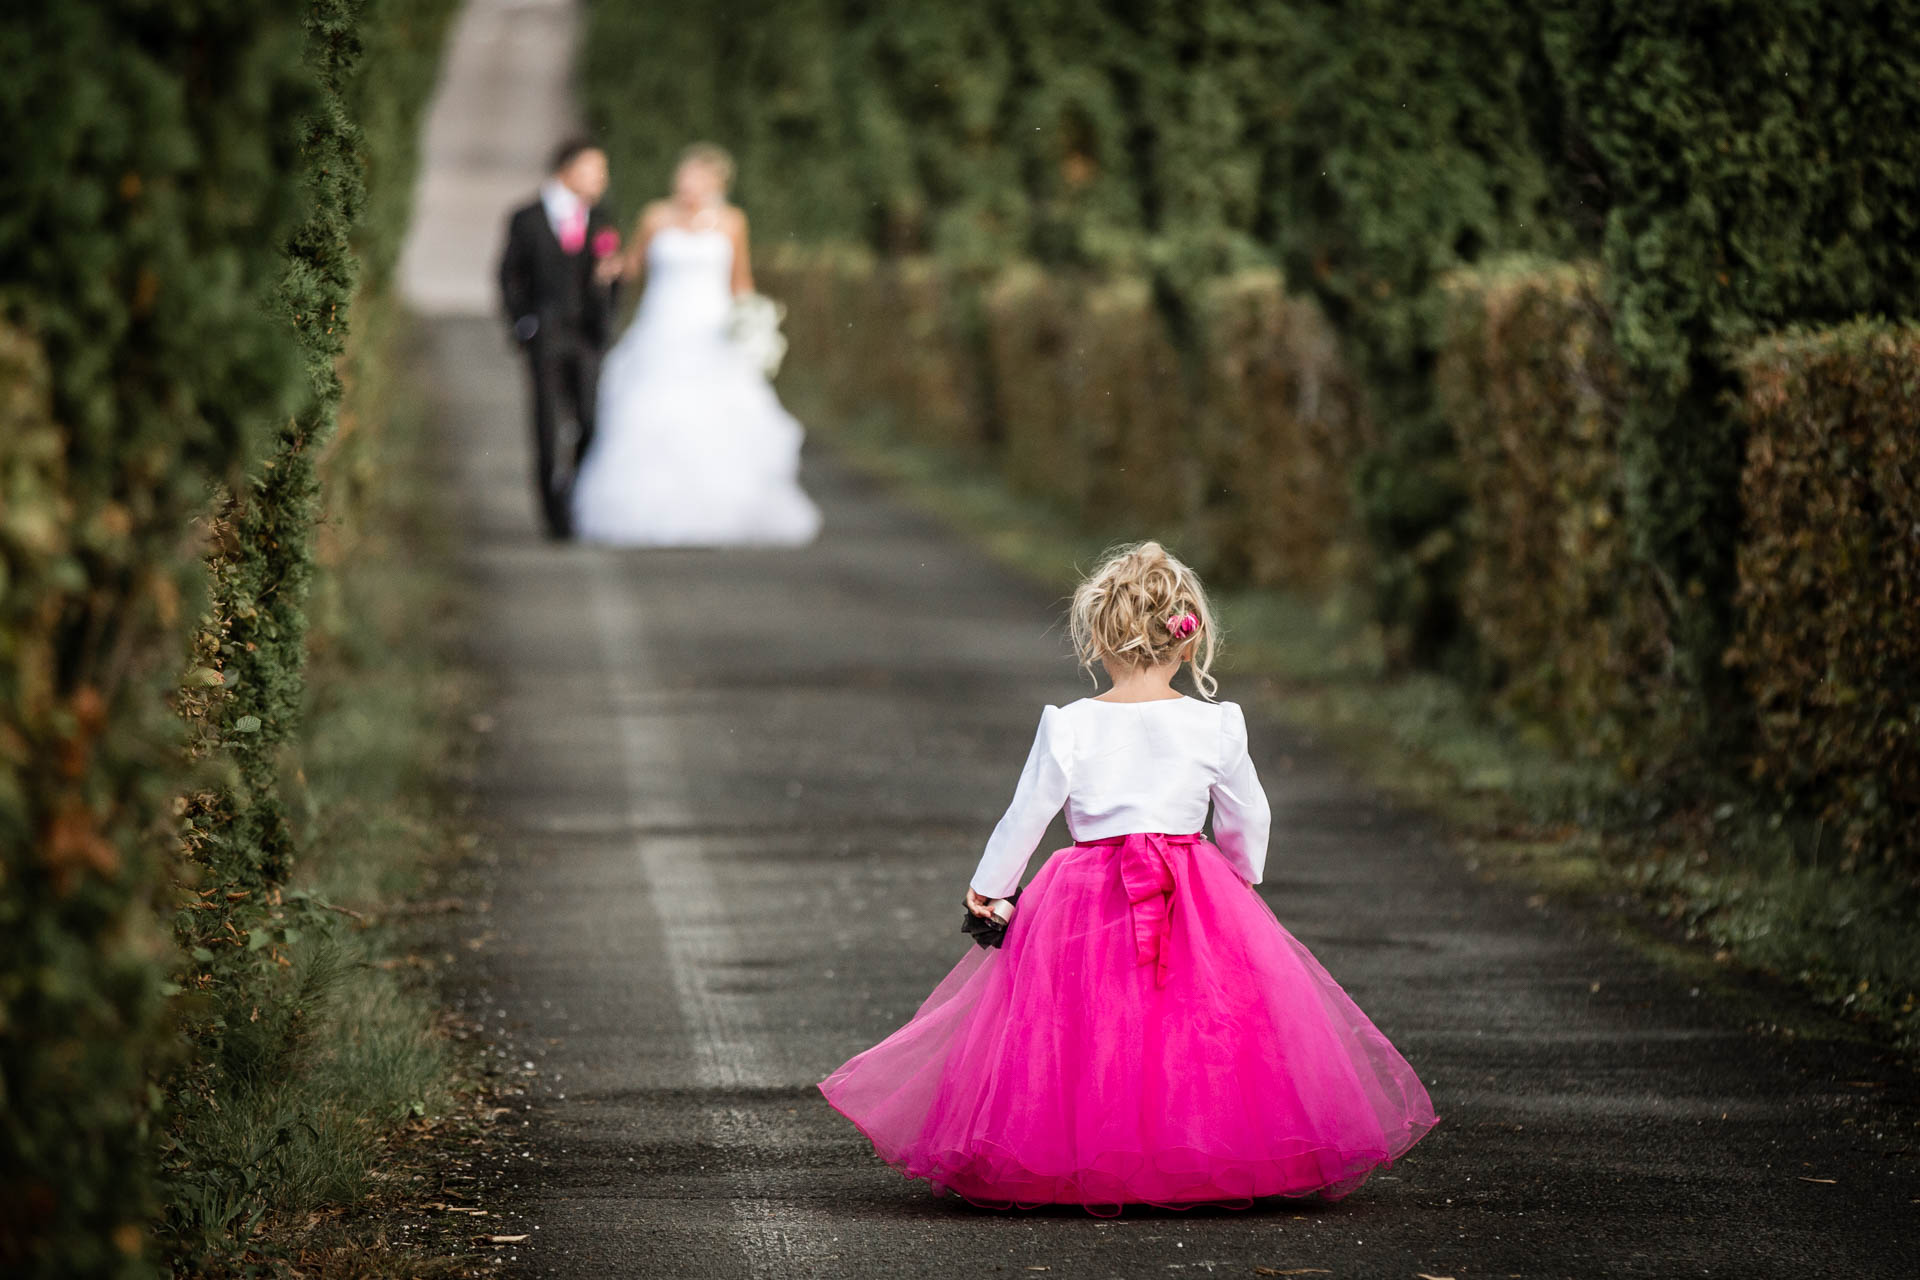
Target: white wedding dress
<point>691,447</point>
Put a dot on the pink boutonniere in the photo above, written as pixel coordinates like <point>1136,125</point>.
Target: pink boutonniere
<point>606,242</point>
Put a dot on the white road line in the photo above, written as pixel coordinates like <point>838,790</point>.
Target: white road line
<point>698,937</point>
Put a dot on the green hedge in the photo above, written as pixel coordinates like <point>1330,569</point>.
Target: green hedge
<point>1760,160</point>
<point>1409,139</point>
<point>174,246</point>
<point>1828,631</point>
<point>238,924</point>
<point>240,835</point>
<point>151,185</point>
<point>1579,634</point>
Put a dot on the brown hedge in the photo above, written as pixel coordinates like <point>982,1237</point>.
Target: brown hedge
<point>1077,388</point>
<point>1089,397</point>
<point>1282,426</point>
<point>1828,627</point>
<point>866,334</point>
<point>925,363</point>
<point>1129,396</point>
<point>1031,338</point>
<point>1574,630</point>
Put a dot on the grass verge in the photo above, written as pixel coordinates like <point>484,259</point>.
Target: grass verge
<point>1704,887</point>
<point>347,1137</point>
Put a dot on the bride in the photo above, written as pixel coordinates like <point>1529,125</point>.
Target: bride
<point>692,447</point>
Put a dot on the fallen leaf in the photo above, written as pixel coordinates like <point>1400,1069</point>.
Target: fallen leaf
<point>505,1239</point>
<point>1823,1181</point>
<point>1424,1276</point>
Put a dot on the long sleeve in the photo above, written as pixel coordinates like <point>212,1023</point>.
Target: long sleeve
<point>1041,791</point>
<point>516,287</point>
<point>1241,818</point>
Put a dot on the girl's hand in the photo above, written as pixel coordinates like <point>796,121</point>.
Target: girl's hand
<point>977,905</point>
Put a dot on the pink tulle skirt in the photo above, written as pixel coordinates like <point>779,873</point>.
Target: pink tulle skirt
<point>1149,1034</point>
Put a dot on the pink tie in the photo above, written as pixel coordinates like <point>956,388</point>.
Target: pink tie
<point>573,232</point>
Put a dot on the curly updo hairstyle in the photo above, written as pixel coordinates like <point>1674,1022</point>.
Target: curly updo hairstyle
<point>1142,607</point>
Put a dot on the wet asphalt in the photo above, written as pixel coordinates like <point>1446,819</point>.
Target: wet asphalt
<point>730,800</point>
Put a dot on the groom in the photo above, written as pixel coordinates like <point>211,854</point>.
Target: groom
<point>557,280</point>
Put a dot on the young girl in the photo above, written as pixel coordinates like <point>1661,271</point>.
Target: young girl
<point>1149,1033</point>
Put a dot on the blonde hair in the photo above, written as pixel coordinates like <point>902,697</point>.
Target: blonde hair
<point>1125,611</point>
<point>711,154</point>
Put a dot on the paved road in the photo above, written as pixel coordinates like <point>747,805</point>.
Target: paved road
<point>735,797</point>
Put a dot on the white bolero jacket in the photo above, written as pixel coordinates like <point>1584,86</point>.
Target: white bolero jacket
<point>1126,767</point>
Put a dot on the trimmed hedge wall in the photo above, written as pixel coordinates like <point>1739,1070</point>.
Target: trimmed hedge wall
<point>1245,456</point>
<point>237,924</point>
<point>1282,427</point>
<point>1408,139</point>
<point>1761,162</point>
<point>1087,370</point>
<point>151,185</point>
<point>174,246</point>
<point>866,333</point>
<point>1573,633</point>
<point>1828,632</point>
<point>239,835</point>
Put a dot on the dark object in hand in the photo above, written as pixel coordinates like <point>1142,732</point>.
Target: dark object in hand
<point>987,933</point>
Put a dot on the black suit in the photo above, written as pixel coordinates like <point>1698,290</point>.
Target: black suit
<point>562,318</point>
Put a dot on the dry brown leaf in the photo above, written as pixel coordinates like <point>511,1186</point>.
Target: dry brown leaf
<point>1823,1181</point>
<point>505,1239</point>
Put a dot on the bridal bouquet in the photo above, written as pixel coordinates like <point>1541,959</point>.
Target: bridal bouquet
<point>754,326</point>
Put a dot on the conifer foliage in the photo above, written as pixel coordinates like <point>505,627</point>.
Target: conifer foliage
<point>178,222</point>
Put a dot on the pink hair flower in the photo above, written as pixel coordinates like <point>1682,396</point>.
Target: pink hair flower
<point>1183,625</point>
<point>606,242</point>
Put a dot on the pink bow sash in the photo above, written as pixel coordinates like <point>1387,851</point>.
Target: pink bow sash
<point>1148,878</point>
